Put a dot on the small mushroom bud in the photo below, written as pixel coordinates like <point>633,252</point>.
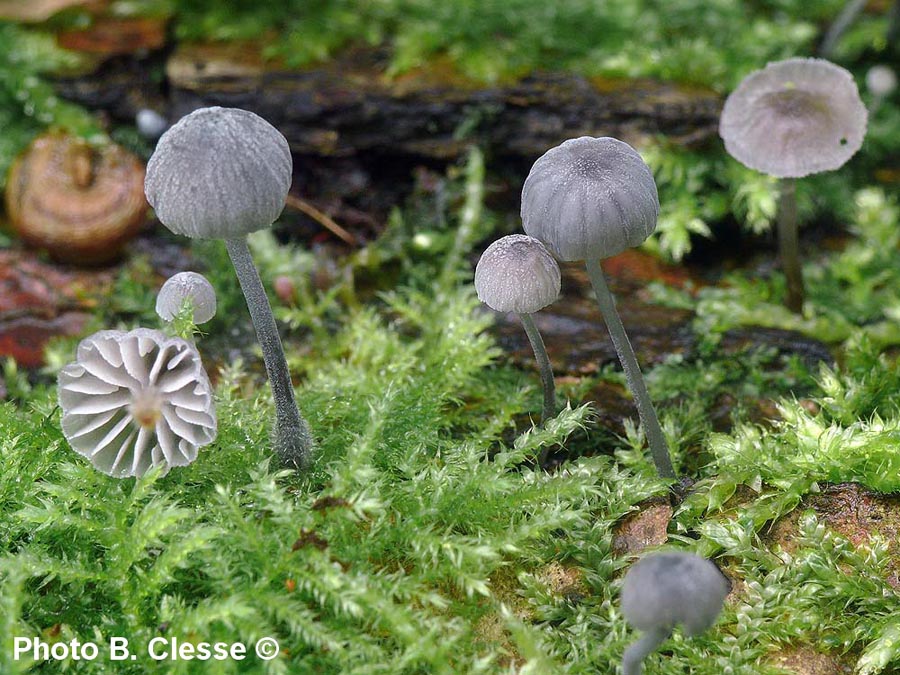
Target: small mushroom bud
<point>588,199</point>
<point>664,590</point>
<point>791,119</point>
<point>136,400</point>
<point>881,81</point>
<point>186,287</point>
<point>517,274</point>
<point>221,173</point>
<point>150,124</point>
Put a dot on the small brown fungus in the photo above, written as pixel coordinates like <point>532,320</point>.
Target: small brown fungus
<point>80,203</point>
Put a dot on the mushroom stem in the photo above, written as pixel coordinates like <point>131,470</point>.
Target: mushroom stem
<point>789,245</point>
<point>292,438</point>
<point>543,361</point>
<point>632,660</point>
<point>837,29</point>
<point>655,438</point>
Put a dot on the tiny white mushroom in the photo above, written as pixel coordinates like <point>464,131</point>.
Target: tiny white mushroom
<point>517,274</point>
<point>135,400</point>
<point>881,80</point>
<point>589,199</point>
<point>188,287</point>
<point>667,589</point>
<point>150,124</point>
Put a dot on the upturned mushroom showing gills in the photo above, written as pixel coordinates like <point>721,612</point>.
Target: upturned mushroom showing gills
<point>517,274</point>
<point>136,400</point>
<point>791,119</point>
<point>665,590</point>
<point>221,173</point>
<point>186,288</point>
<point>588,199</point>
<point>80,203</point>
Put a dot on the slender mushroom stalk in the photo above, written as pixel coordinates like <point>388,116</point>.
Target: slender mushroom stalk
<point>292,437</point>
<point>544,367</point>
<point>633,659</point>
<point>791,119</point>
<point>221,173</point>
<point>789,244</point>
<point>664,590</point>
<point>517,274</point>
<point>659,450</point>
<point>589,199</point>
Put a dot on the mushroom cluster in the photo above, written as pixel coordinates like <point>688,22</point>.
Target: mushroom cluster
<point>589,199</point>
<point>221,173</point>
<point>132,401</point>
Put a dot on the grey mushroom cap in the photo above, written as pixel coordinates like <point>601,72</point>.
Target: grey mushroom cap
<point>672,588</point>
<point>517,274</point>
<point>135,400</point>
<point>219,173</point>
<point>186,286</point>
<point>794,118</point>
<point>590,198</point>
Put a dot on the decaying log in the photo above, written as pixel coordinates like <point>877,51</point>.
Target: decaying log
<point>348,106</point>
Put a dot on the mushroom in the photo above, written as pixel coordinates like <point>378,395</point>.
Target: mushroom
<point>881,81</point>
<point>791,119</point>
<point>150,124</point>
<point>666,589</point>
<point>80,203</point>
<point>517,274</point>
<point>588,199</point>
<point>221,173</point>
<point>135,400</point>
<point>186,288</point>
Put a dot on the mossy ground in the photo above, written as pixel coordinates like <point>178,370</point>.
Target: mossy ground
<point>425,539</point>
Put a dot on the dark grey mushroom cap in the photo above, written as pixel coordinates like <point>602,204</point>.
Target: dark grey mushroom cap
<point>590,198</point>
<point>794,118</point>
<point>219,173</point>
<point>663,590</point>
<point>517,274</point>
<point>187,286</point>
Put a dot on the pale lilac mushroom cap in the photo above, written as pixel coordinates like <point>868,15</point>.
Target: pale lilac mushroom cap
<point>794,118</point>
<point>881,80</point>
<point>517,274</point>
<point>135,400</point>
<point>590,198</point>
<point>219,173</point>
<point>672,588</point>
<point>186,287</point>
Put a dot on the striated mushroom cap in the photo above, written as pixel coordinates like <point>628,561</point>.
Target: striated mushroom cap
<point>186,286</point>
<point>665,589</point>
<point>80,203</point>
<point>794,118</point>
<point>590,198</point>
<point>517,274</point>
<point>219,173</point>
<point>135,400</point>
